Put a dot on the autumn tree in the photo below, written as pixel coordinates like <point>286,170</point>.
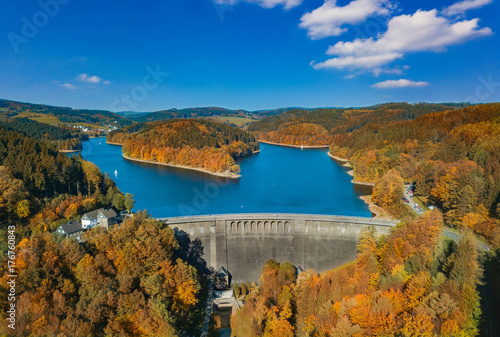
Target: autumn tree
<point>388,191</point>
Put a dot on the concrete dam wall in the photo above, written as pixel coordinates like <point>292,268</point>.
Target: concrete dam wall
<point>244,242</point>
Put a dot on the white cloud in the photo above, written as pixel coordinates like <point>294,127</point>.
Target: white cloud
<point>68,86</point>
<point>328,19</point>
<point>351,61</point>
<point>463,6</point>
<point>89,79</point>
<point>402,83</point>
<point>421,31</point>
<point>106,82</point>
<point>287,4</point>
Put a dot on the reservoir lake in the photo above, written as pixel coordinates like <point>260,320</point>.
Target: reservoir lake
<point>276,180</point>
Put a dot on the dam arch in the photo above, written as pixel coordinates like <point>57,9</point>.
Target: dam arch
<point>244,242</point>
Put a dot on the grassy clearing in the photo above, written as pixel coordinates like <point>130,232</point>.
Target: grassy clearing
<point>52,120</point>
<point>41,118</point>
<point>235,120</point>
<point>89,125</point>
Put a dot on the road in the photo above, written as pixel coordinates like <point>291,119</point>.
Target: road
<point>488,300</point>
<point>411,203</point>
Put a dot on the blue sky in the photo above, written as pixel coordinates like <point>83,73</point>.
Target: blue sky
<point>249,54</point>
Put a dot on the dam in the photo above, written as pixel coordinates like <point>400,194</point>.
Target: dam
<point>244,242</point>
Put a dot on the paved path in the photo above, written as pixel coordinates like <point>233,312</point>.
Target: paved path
<point>208,307</point>
<point>277,217</point>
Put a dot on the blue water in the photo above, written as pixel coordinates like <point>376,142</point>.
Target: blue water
<point>276,180</point>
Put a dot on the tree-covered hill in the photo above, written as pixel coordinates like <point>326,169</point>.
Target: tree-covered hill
<point>289,127</point>
<point>189,113</point>
<point>204,112</point>
<point>64,137</point>
<point>58,115</point>
<point>139,279</point>
<point>189,142</point>
<point>452,158</point>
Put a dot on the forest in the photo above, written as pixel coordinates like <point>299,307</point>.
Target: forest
<point>195,143</point>
<point>132,281</point>
<point>452,158</point>
<point>63,114</point>
<point>64,137</point>
<point>410,283</point>
<point>41,188</point>
<point>204,113</point>
<point>189,113</point>
<point>294,127</point>
<point>140,279</point>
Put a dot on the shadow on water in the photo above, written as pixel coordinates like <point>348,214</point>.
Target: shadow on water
<point>226,332</point>
<point>182,173</point>
<point>362,189</point>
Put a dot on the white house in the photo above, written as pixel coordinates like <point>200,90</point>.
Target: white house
<point>102,217</point>
<point>89,219</point>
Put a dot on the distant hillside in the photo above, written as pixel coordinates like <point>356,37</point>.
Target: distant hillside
<point>294,127</point>
<point>61,115</point>
<point>64,137</point>
<point>132,114</point>
<point>190,113</point>
<point>228,116</point>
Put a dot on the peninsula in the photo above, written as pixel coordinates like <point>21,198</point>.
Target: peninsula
<point>199,145</point>
<point>225,174</point>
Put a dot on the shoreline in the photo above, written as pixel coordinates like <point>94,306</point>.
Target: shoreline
<point>296,146</point>
<point>111,143</point>
<point>226,174</point>
<point>338,158</point>
<point>69,151</point>
<point>377,211</point>
<point>350,172</point>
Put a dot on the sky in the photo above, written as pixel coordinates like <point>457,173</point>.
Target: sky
<point>132,55</point>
